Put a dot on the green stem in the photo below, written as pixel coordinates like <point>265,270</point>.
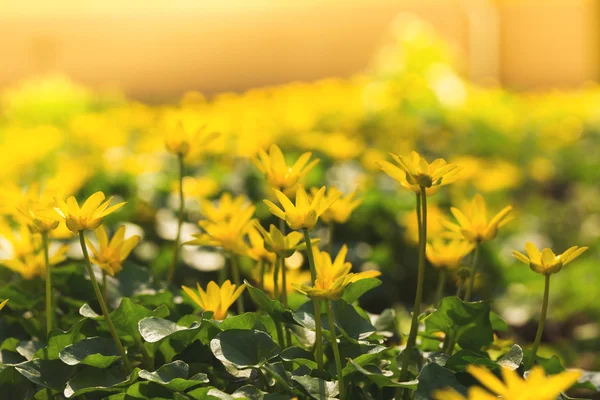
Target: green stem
<point>414,325</point>
<point>331,231</point>
<point>276,278</point>
<point>111,327</point>
<point>540,329</point>
<point>235,271</point>
<point>49,305</point>
<point>179,222</point>
<point>148,362</point>
<point>104,286</point>
<point>284,299</point>
<point>316,302</point>
<point>441,284</point>
<point>461,282</point>
<point>336,351</point>
<point>473,271</point>
<point>261,278</point>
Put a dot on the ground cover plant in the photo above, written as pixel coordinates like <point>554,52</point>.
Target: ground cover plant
<point>359,238</point>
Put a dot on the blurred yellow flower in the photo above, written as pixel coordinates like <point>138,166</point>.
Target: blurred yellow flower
<point>32,265</point>
<point>22,242</point>
<point>225,208</point>
<point>415,172</point>
<point>279,175</point>
<point>537,386</point>
<point>280,244</point>
<point>294,278</point>
<point>257,250</point>
<point>89,216</point>
<point>3,304</point>
<point>473,224</point>
<point>304,214</point>
<point>435,216</point>
<point>197,187</point>
<point>34,208</point>
<point>110,254</point>
<point>340,210</point>
<point>447,254</point>
<point>228,234</point>
<point>546,262</point>
<point>216,299</point>
<point>332,277</point>
<point>182,141</point>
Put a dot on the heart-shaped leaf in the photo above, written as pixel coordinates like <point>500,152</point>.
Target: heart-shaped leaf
<point>95,351</point>
<point>174,376</point>
<point>244,348</point>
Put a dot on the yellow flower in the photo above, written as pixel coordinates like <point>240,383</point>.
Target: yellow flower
<point>537,386</point>
<point>280,244</point>
<point>182,141</point>
<point>110,255</point>
<point>339,211</point>
<point>228,234</point>
<point>89,216</point>
<point>434,224</point>
<point>447,254</point>
<point>216,299</point>
<point>279,175</point>
<point>333,277</point>
<point>21,244</point>
<point>473,224</point>
<point>294,278</point>
<point>546,262</point>
<point>33,264</point>
<point>257,250</point>
<point>304,214</point>
<point>197,187</point>
<point>415,172</point>
<point>3,304</point>
<point>225,208</point>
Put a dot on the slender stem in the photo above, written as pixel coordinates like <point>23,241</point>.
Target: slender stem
<point>235,271</point>
<point>280,337</point>
<point>316,302</point>
<point>179,222</point>
<point>540,329</point>
<point>473,271</point>
<point>336,351</point>
<point>223,274</point>
<point>441,284</point>
<point>331,231</point>
<point>104,286</point>
<point>276,278</point>
<point>283,283</point>
<point>261,278</point>
<point>412,336</point>
<point>148,362</point>
<point>111,327</point>
<point>49,305</point>
<point>461,282</point>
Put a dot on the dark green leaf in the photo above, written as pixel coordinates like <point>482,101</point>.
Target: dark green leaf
<point>299,356</point>
<point>358,288</point>
<point>208,393</point>
<point>95,351</point>
<point>60,339</point>
<point>376,376</point>
<point>46,373</point>
<point>317,388</point>
<point>244,348</point>
<point>433,378</point>
<point>174,376</point>
<point>272,307</point>
<point>459,361</point>
<point>90,379</point>
<point>156,329</point>
<point>350,322</point>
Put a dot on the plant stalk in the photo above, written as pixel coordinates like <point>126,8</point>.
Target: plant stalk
<point>175,261</point>
<point>473,271</point>
<point>235,271</point>
<point>540,329</point>
<point>441,284</point>
<point>49,294</point>
<point>316,302</point>
<point>111,327</point>
<point>336,351</point>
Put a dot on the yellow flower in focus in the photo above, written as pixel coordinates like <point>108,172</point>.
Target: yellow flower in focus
<point>225,208</point>
<point>333,277</point>
<point>473,224</point>
<point>89,216</point>
<point>110,254</point>
<point>546,262</point>
<point>434,224</point>
<point>228,234</point>
<point>537,386</point>
<point>33,264</point>
<point>182,141</point>
<point>447,254</point>
<point>339,211</point>
<point>257,250</point>
<point>280,244</point>
<point>304,214</point>
<point>415,172</point>
<point>3,304</point>
<point>216,299</point>
<point>279,175</point>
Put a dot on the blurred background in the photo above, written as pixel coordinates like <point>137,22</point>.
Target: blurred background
<point>507,89</point>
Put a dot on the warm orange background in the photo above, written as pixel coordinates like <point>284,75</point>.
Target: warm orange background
<point>155,50</point>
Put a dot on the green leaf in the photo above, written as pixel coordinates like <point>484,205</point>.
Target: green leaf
<point>28,348</point>
<point>358,288</point>
<point>90,379</point>
<point>468,323</point>
<point>244,348</point>
<point>498,324</point>
<point>14,385</point>
<point>95,351</point>
<point>174,376</point>
<point>299,356</point>
<point>375,375</point>
<point>248,392</point>
<point>46,373</point>
<point>317,388</point>
<point>208,393</point>
<point>367,354</point>
<point>385,323</point>
<point>459,361</point>
<point>512,359</point>
<point>350,322</point>
<point>245,321</point>
<point>433,378</point>
<point>155,329</point>
<point>272,307</point>
<point>60,339</point>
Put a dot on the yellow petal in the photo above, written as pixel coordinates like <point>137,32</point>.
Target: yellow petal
<point>533,253</point>
<point>92,203</point>
<point>487,379</point>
